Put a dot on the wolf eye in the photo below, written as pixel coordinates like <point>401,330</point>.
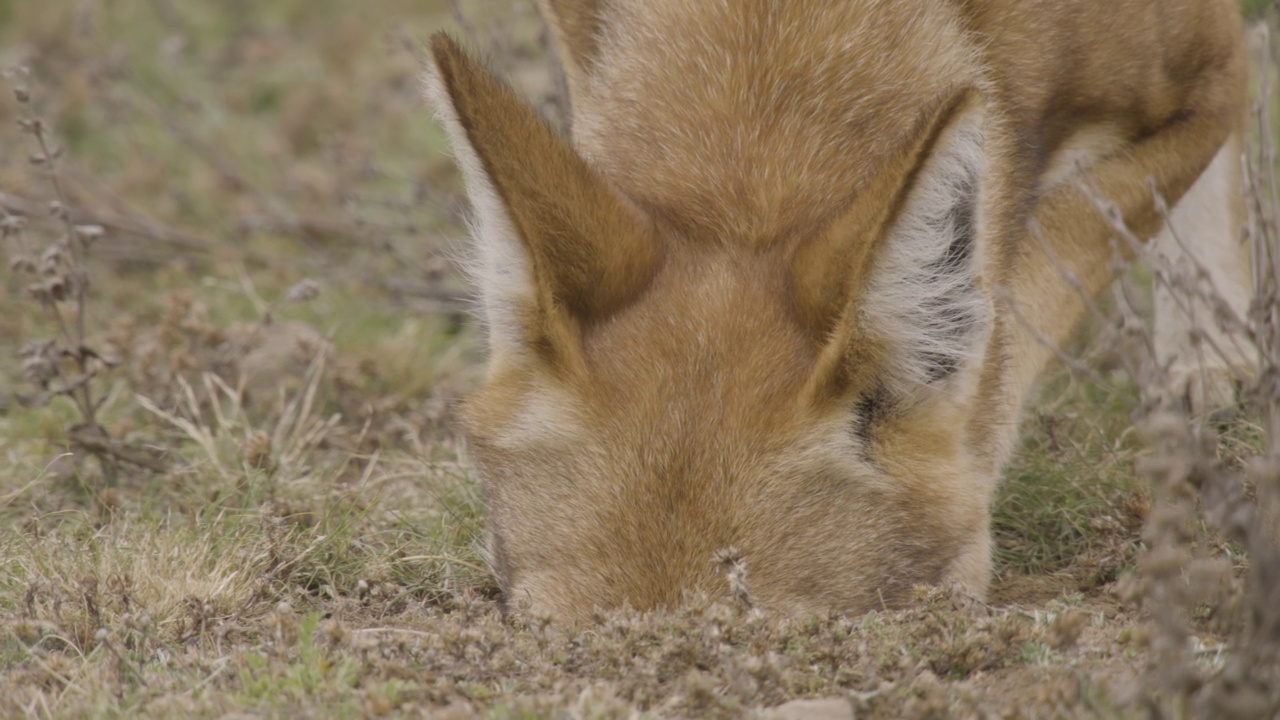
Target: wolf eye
<point>869,412</point>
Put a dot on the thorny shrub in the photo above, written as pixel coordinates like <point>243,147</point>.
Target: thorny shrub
<point>69,363</point>
<point>1212,559</point>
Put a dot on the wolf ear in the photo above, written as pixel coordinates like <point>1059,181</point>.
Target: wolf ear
<point>902,291</point>
<point>556,246</point>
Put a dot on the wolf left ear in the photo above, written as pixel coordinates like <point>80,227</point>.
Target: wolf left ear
<point>896,290</point>
<point>557,246</point>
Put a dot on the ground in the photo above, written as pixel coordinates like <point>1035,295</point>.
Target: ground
<point>231,485</point>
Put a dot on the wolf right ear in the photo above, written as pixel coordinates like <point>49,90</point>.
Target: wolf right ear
<point>557,246</point>
<point>896,289</point>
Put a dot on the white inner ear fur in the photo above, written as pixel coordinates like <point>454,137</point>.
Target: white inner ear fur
<point>498,266</point>
<point>924,297</point>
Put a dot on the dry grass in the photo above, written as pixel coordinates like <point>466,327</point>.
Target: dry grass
<point>270,515</point>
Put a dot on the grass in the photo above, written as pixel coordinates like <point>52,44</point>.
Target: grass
<point>1072,486</point>
<point>307,543</point>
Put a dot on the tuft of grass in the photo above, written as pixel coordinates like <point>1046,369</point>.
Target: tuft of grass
<point>1070,503</point>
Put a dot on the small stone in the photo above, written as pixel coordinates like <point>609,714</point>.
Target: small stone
<point>825,709</point>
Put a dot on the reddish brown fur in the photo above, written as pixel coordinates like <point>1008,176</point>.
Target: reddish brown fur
<point>696,362</point>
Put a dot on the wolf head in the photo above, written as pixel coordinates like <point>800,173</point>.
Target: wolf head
<point>777,350</point>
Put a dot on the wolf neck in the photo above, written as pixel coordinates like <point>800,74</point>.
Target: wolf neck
<point>754,122</point>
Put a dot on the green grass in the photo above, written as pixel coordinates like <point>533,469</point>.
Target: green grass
<point>1255,8</point>
<point>1071,489</point>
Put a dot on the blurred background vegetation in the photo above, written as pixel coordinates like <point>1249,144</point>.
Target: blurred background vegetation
<point>223,153</point>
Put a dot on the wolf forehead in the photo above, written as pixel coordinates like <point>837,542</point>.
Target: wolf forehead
<point>714,342</point>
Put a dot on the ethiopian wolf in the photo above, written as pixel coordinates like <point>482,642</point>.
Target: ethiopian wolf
<point>789,283</point>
